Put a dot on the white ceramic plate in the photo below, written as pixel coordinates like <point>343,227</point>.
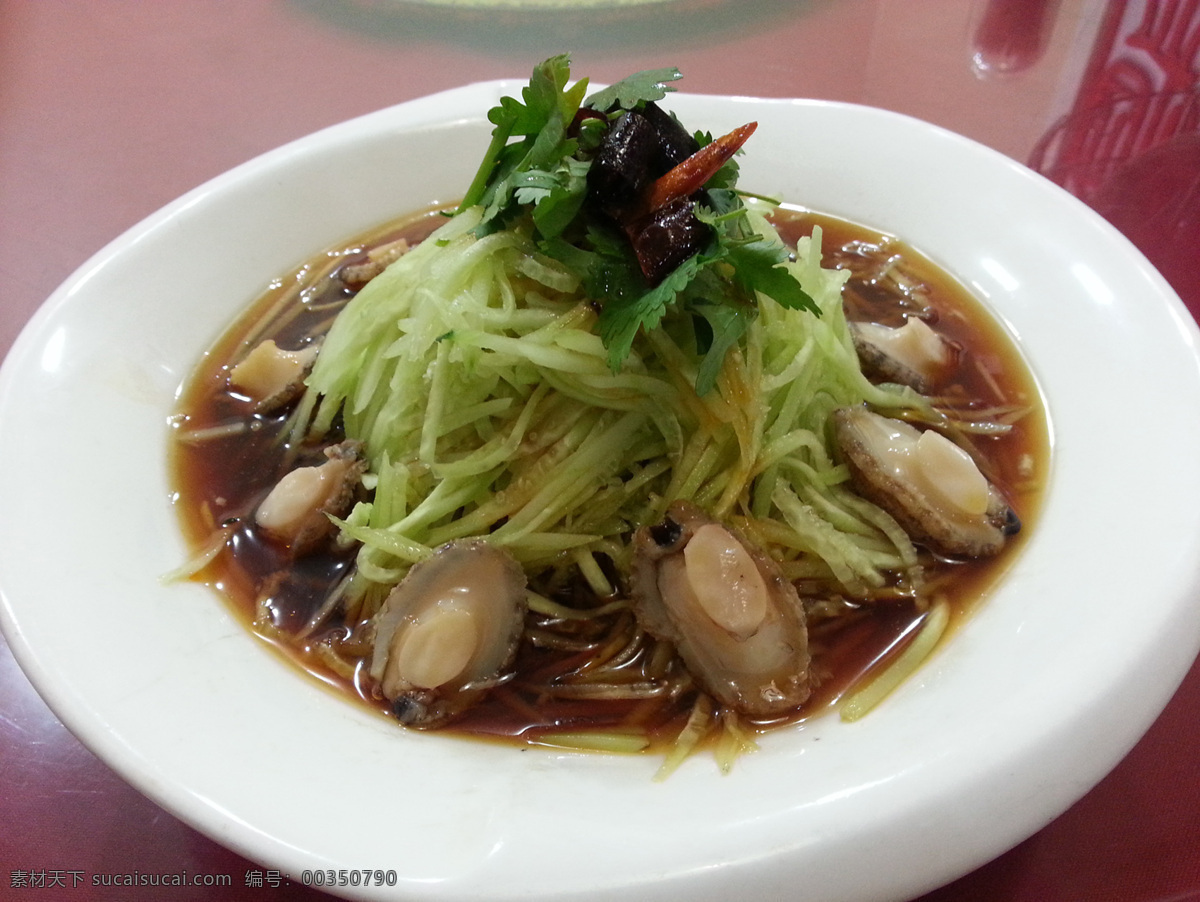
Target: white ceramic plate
<point>1030,704</point>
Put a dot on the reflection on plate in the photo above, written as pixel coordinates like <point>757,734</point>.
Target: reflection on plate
<point>1036,699</point>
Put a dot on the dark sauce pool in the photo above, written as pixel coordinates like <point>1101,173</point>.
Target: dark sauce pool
<point>220,480</point>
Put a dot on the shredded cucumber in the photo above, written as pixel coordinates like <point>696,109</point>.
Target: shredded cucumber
<point>471,370</point>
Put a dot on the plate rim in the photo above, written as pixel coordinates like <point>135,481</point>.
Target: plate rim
<point>422,112</point>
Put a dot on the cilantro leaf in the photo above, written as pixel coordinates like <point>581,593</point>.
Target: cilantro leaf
<point>756,269</point>
<point>622,317</point>
<point>558,198</point>
<point>649,85</point>
<point>544,94</point>
<point>541,120</point>
<point>605,264</point>
<point>726,323</point>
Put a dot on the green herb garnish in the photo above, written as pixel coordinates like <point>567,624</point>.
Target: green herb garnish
<point>536,166</point>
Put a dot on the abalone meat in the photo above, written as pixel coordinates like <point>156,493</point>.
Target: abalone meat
<point>448,630</point>
<point>735,620</point>
<point>931,486</point>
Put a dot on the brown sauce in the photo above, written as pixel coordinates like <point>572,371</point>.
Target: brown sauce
<point>220,481</point>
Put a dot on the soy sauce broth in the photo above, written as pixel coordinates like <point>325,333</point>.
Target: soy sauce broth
<point>220,480</point>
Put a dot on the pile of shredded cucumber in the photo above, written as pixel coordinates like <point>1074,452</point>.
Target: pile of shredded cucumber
<point>472,372</point>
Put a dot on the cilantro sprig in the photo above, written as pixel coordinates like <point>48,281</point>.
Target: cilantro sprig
<point>537,165</point>
<point>534,170</point>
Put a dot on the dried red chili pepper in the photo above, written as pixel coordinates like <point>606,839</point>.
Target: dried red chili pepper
<point>692,174</point>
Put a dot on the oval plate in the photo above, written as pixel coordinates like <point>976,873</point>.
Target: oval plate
<point>1033,701</point>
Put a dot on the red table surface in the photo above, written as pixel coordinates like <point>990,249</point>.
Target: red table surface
<point>108,110</point>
